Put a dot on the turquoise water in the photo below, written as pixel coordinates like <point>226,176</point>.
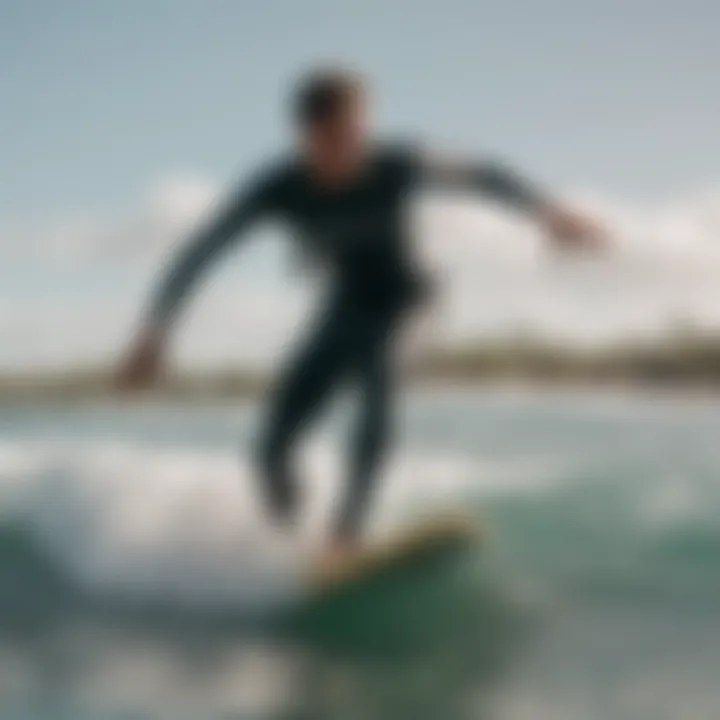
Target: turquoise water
<point>139,580</point>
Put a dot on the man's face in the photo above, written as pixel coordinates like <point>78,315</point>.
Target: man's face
<point>335,143</point>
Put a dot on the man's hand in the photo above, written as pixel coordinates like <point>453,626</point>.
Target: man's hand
<point>143,364</point>
<point>571,230</point>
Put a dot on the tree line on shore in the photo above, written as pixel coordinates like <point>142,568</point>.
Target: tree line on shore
<point>684,357</point>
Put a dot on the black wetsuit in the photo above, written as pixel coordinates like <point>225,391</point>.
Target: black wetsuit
<point>357,232</point>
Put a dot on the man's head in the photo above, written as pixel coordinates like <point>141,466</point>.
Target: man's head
<point>328,111</point>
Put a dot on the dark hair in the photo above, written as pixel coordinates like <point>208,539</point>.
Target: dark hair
<point>320,93</point>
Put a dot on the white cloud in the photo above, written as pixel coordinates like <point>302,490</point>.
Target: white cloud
<point>664,264</point>
<point>168,208</point>
<point>495,275</point>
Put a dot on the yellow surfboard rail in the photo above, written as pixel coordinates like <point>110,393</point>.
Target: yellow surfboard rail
<point>427,535</point>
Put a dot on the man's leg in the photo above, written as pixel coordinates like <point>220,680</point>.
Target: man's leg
<point>303,388</point>
<point>371,436</point>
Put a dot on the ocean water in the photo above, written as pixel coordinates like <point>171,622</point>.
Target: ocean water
<point>139,579</point>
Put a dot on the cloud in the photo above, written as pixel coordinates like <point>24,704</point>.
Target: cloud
<point>664,265</point>
<point>167,209</point>
<point>75,288</point>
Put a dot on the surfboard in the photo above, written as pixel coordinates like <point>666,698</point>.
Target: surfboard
<point>423,542</point>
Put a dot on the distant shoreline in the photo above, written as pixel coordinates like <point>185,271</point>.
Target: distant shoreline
<point>685,361</point>
<point>214,387</point>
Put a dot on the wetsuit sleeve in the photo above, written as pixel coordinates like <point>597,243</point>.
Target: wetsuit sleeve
<point>490,178</point>
<point>242,209</point>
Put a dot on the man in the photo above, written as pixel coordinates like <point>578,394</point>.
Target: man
<point>343,195</point>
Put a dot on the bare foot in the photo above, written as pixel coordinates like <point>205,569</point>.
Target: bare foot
<point>337,559</point>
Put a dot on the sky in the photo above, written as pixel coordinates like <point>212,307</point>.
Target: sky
<point>121,122</point>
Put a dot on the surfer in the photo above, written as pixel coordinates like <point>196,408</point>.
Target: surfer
<point>343,194</point>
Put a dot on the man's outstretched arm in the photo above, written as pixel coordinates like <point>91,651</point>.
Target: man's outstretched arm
<point>566,227</point>
<point>194,259</point>
<point>146,355</point>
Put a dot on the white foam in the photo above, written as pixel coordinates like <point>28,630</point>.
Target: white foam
<point>185,524</point>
